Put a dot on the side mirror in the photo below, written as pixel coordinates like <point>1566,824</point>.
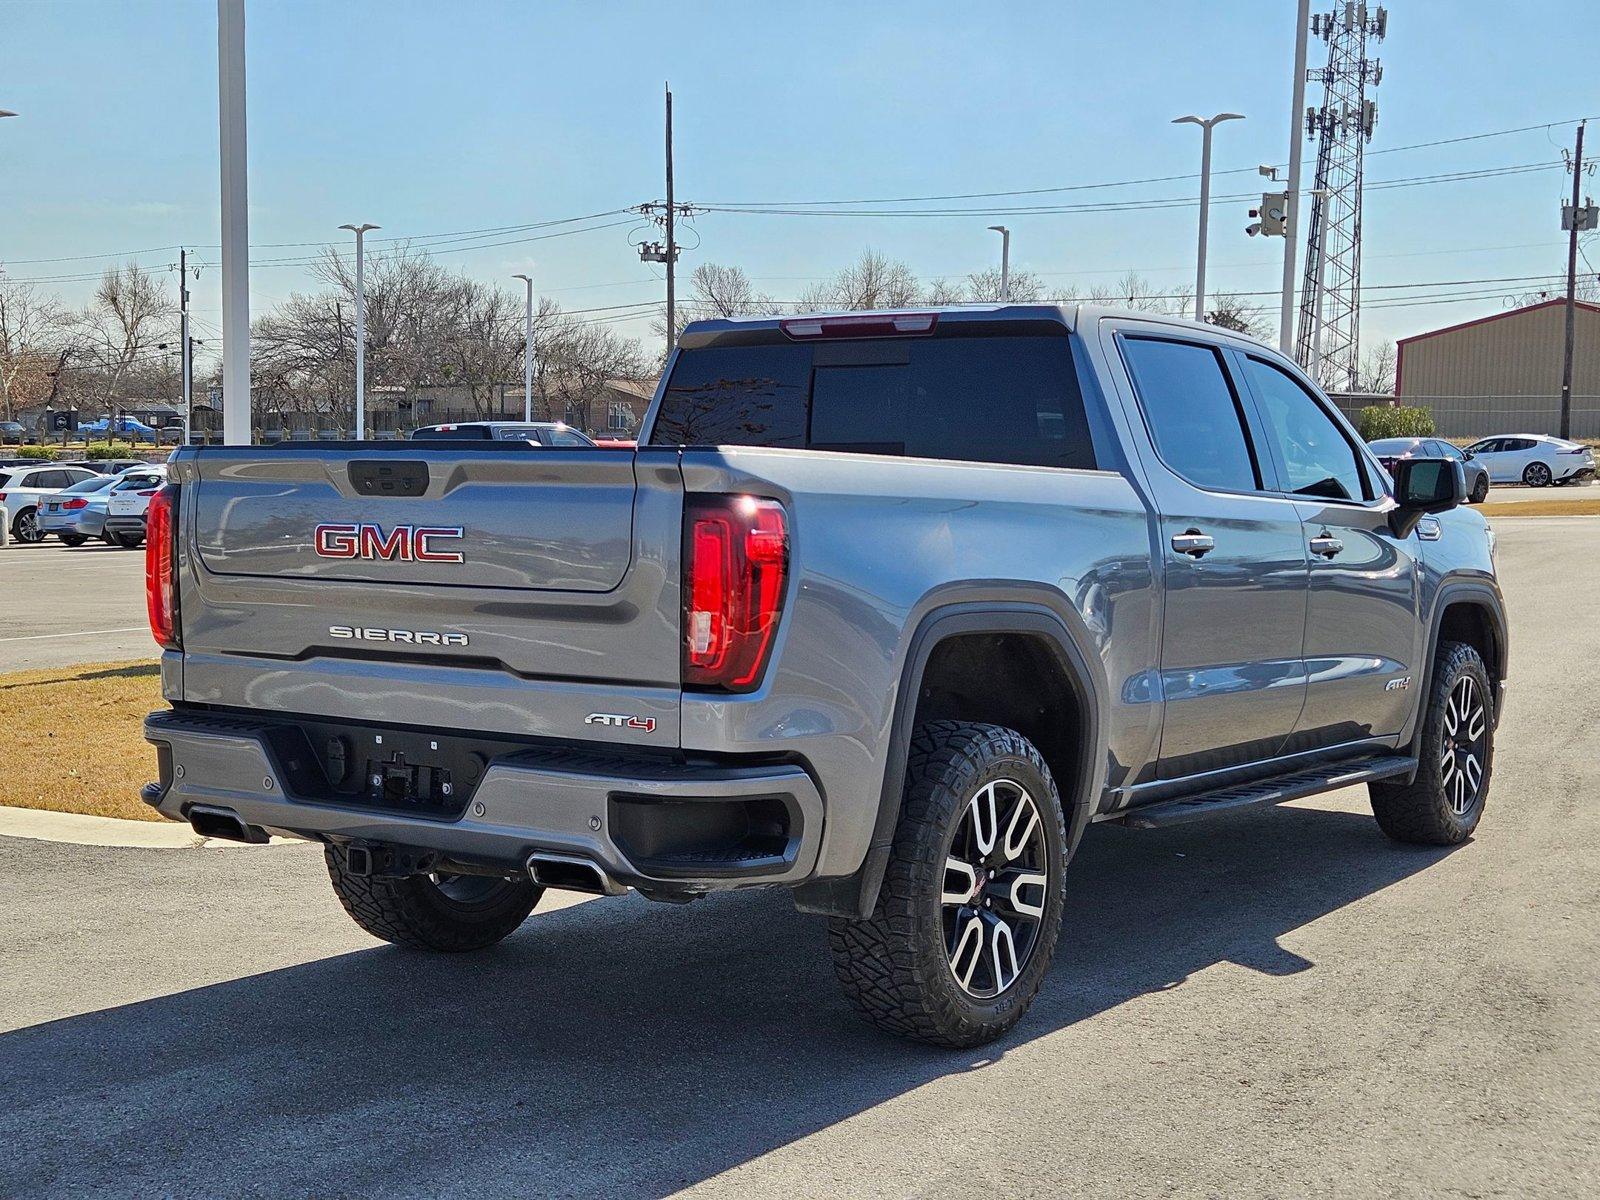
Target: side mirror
<point>1423,486</point>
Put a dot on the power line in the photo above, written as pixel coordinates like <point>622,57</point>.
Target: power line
<point>1080,187</point>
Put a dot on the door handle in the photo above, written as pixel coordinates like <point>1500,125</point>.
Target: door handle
<point>1193,543</point>
<point>1326,545</point>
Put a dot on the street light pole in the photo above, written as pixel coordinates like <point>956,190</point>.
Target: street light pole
<point>1005,262</point>
<point>361,327</point>
<point>235,224</point>
<point>527,349</point>
<point>1206,126</point>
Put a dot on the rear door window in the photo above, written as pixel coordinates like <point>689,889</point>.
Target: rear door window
<point>1194,418</point>
<point>998,399</point>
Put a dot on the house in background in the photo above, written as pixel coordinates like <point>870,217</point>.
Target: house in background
<point>1502,373</point>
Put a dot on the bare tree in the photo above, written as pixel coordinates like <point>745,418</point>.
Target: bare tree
<point>1376,374</point>
<point>872,281</point>
<point>36,337</point>
<point>1228,311</point>
<point>717,291</point>
<point>984,287</point>
<point>131,312</point>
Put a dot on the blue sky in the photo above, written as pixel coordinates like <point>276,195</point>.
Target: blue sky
<point>429,118</point>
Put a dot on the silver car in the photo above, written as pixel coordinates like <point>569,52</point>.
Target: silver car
<point>78,513</point>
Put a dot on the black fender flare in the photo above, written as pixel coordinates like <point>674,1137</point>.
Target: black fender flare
<point>1483,595</point>
<point>854,896</point>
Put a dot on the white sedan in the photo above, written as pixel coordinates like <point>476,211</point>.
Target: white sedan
<point>1535,459</point>
<point>21,489</point>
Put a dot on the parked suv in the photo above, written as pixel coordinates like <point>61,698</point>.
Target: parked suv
<point>127,502</point>
<point>885,609</point>
<point>22,488</point>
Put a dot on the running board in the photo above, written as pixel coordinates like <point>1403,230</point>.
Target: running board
<point>1275,790</point>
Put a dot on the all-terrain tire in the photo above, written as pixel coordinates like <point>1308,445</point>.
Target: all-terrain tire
<point>417,911</point>
<point>896,966</point>
<point>1429,811</point>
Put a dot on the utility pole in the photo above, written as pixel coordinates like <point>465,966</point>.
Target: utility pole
<point>235,225</point>
<point>1573,224</point>
<point>672,245</point>
<point>666,253</point>
<point>185,352</point>
<point>1291,210</point>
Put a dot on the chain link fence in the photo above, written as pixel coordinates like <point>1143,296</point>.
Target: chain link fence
<point>1481,416</point>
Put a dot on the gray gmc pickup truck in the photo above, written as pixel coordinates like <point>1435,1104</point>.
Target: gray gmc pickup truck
<point>884,609</point>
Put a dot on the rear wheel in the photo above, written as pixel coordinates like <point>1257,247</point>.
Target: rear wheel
<point>26,527</point>
<point>1443,805</point>
<point>970,908</point>
<point>1536,474</point>
<point>447,913</point>
<point>128,541</point>
<point>72,539</point>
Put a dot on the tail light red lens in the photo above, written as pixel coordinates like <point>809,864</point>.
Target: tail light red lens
<point>736,562</point>
<point>161,566</point>
<point>76,504</point>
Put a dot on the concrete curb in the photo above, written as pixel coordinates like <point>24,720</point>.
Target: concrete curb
<point>42,826</point>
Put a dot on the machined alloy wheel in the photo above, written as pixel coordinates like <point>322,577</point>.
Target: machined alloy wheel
<point>1462,757</point>
<point>969,911</point>
<point>26,527</point>
<point>1536,474</point>
<point>1443,803</point>
<point>996,886</point>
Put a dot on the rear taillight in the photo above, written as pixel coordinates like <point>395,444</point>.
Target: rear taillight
<point>161,566</point>
<point>76,504</point>
<point>736,560</point>
<point>1577,450</point>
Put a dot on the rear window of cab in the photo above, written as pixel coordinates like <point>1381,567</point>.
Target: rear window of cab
<point>995,399</point>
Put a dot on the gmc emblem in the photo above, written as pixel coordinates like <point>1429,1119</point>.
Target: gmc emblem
<point>403,543</point>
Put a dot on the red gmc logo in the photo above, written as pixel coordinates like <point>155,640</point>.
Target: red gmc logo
<point>403,543</point>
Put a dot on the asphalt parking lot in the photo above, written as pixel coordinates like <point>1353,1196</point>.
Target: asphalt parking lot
<point>1278,1002</point>
<point>66,605</point>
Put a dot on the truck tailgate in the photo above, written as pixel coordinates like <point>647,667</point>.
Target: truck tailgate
<point>500,587</point>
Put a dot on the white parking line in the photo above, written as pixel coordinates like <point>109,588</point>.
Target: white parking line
<point>34,637</point>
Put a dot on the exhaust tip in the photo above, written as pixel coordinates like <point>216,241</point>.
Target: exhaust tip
<point>572,873</point>
<point>226,824</point>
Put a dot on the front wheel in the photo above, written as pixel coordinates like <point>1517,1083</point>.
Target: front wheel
<point>1480,490</point>
<point>969,911</point>
<point>1536,474</point>
<point>447,913</point>
<point>1443,805</point>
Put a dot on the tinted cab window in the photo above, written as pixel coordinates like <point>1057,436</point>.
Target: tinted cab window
<point>1317,457</point>
<point>1000,399</point>
<point>1194,417</point>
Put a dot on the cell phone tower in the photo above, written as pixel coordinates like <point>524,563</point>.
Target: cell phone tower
<point>1328,341</point>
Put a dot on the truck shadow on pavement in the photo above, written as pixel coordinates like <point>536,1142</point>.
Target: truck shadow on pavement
<point>616,1047</point>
